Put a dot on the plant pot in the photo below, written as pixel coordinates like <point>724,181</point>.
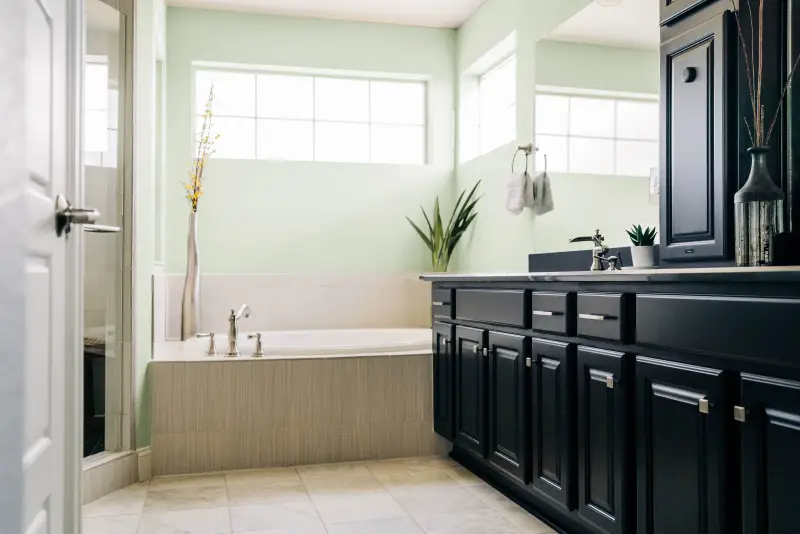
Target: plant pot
<point>643,256</point>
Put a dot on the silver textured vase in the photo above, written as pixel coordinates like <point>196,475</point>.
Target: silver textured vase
<point>190,306</point>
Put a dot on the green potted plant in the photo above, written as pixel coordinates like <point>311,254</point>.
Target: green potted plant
<point>643,250</point>
<point>442,240</point>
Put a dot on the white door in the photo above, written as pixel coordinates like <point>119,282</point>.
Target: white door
<point>45,415</point>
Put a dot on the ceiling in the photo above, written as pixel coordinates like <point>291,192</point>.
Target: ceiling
<point>632,24</point>
<point>433,13</point>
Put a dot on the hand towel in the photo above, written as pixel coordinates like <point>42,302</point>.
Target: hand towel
<point>542,194</point>
<point>515,198</point>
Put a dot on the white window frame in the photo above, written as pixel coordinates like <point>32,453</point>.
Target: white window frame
<point>315,74</point>
<point>616,98</point>
<point>481,81</point>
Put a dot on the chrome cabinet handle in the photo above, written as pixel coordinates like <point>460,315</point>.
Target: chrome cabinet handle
<point>703,406</point>
<point>438,303</point>
<point>100,229</point>
<point>739,414</point>
<point>543,313</point>
<point>592,317</point>
<point>528,362</point>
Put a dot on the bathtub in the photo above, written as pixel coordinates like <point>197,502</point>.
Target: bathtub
<point>300,344</point>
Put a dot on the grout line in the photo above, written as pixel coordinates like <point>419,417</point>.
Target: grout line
<point>413,519</point>
<point>228,499</point>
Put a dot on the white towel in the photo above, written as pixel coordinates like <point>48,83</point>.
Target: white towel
<point>542,194</point>
<point>517,188</point>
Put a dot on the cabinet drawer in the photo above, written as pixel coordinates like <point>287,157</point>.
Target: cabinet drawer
<point>499,307</point>
<point>602,315</point>
<point>749,327</point>
<point>442,296</point>
<point>553,312</point>
<point>442,303</point>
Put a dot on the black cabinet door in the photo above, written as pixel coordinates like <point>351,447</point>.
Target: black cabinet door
<point>507,421</point>
<point>674,9</point>
<point>604,463</point>
<point>443,378</point>
<point>697,134</point>
<point>471,372</point>
<point>680,436</point>
<point>770,460</point>
<point>552,421</point>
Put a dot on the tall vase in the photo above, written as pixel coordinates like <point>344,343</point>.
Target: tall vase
<point>190,306</point>
<point>759,213</point>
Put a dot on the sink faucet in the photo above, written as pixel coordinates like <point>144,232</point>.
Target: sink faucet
<point>233,329</point>
<point>599,250</point>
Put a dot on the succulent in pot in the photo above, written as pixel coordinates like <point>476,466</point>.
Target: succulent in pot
<point>643,249</point>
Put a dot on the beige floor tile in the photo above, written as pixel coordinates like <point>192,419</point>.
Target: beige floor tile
<point>424,503</point>
<point>118,524</point>
<point>126,501</point>
<point>398,483</point>
<point>210,480</point>
<point>316,529</point>
<point>213,521</point>
<point>485,521</point>
<point>342,478</point>
<point>276,516</point>
<point>510,510</point>
<point>397,525</point>
<point>266,493</point>
<point>261,477</point>
<point>341,508</point>
<point>464,476</point>
<point>185,498</point>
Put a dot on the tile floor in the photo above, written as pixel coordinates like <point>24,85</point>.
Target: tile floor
<point>431,495</point>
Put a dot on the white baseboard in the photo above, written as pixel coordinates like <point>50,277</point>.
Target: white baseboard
<point>145,455</point>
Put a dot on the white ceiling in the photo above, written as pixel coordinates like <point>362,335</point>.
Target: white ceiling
<point>632,24</point>
<point>433,13</point>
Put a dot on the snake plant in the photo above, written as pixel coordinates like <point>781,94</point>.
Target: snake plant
<point>442,240</point>
<point>642,238</point>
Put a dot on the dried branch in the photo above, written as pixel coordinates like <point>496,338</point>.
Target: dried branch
<point>749,131</point>
<point>760,126</point>
<point>783,98</point>
<point>749,66</point>
<point>752,36</point>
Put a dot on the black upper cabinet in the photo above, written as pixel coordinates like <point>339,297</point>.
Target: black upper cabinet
<point>770,461</point>
<point>698,132</point>
<point>443,378</point>
<point>604,452</point>
<point>471,372</point>
<point>672,10</point>
<point>507,421</point>
<point>552,421</point>
<point>680,434</point>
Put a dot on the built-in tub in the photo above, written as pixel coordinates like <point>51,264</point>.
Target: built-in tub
<point>308,344</point>
<point>318,396</point>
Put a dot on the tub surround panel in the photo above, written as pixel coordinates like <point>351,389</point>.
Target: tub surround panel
<point>211,416</point>
<point>107,474</point>
<point>297,302</point>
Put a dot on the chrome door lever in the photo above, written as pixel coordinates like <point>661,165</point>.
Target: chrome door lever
<point>66,216</point>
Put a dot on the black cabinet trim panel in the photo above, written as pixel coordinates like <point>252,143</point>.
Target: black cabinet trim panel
<point>470,381</point>
<point>672,10</point>
<point>443,380</point>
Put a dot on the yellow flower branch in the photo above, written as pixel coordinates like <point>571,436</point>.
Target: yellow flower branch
<point>206,142</point>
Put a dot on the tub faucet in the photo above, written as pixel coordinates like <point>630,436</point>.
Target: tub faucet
<point>233,329</point>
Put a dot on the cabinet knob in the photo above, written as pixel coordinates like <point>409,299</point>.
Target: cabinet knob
<point>703,405</point>
<point>739,413</point>
<point>610,382</point>
<point>528,362</point>
<point>689,74</point>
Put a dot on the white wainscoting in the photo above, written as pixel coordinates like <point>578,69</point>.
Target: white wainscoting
<point>296,302</point>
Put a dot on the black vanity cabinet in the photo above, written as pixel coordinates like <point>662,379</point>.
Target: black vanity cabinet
<point>770,425</point>
<point>507,414</point>
<point>443,380</point>
<point>681,450</point>
<point>671,10</point>
<point>604,446</point>
<point>471,371</point>
<point>698,142</point>
<point>552,423</point>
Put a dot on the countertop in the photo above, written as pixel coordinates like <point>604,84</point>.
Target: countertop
<point>706,275</point>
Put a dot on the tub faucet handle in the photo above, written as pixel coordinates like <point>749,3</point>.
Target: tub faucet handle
<point>259,353</point>
<point>212,345</point>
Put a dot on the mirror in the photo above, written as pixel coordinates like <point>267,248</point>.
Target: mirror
<point>597,122</point>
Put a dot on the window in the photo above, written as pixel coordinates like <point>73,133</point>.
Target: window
<point>101,114</point>
<point>314,118</point>
<point>497,96</point>
<point>593,135</point>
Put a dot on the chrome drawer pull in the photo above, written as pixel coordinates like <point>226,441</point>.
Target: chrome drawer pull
<point>529,362</point>
<point>703,406</point>
<point>438,303</point>
<point>545,313</point>
<point>739,414</point>
<point>592,317</point>
<point>610,382</point>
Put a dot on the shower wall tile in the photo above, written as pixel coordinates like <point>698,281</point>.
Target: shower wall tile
<point>212,416</point>
<point>107,476</point>
<point>296,302</point>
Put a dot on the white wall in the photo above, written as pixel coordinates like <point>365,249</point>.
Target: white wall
<point>273,217</point>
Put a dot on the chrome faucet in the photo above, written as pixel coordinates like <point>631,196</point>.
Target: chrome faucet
<point>599,250</point>
<point>233,329</point>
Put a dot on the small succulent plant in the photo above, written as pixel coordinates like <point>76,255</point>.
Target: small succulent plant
<point>642,238</point>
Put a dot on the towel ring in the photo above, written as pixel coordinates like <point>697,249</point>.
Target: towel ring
<point>527,150</point>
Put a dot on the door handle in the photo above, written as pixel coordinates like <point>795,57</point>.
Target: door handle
<point>100,229</point>
<point>66,216</point>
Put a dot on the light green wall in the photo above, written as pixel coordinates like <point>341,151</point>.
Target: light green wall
<point>260,216</point>
<point>602,68</point>
<point>502,241</point>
